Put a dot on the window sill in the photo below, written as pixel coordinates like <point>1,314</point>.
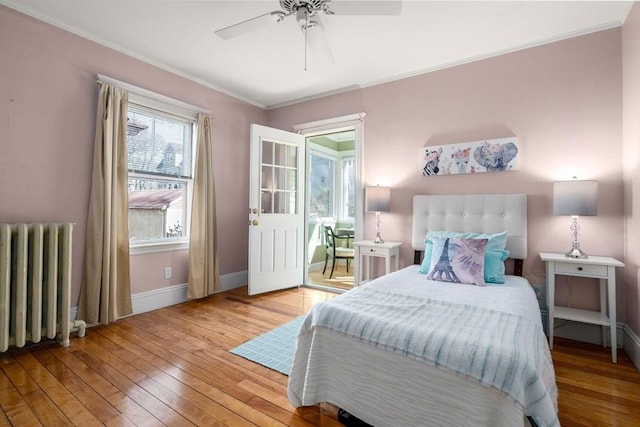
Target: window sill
<point>157,247</point>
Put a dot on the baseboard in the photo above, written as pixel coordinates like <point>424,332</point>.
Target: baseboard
<point>159,298</point>
<point>233,280</point>
<point>171,295</point>
<point>632,345</point>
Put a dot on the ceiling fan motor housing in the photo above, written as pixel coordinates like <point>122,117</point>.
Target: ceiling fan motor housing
<point>312,6</point>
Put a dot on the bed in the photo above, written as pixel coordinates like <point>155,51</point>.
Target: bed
<point>404,350</point>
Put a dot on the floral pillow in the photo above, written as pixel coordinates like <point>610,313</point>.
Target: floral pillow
<point>458,260</point>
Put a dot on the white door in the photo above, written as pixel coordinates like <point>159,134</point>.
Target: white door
<point>276,210</point>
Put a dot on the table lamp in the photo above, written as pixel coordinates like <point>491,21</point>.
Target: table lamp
<point>378,199</point>
<point>575,198</point>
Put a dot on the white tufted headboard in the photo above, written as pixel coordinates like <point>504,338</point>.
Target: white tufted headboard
<point>482,213</point>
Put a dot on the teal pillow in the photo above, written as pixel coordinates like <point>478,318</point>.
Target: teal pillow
<point>495,254</point>
<point>494,266</point>
<point>497,241</point>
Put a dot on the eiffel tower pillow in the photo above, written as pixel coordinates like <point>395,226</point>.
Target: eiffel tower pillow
<point>494,255</point>
<point>458,260</point>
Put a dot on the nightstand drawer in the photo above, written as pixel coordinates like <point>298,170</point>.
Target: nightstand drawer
<point>369,250</point>
<point>578,269</point>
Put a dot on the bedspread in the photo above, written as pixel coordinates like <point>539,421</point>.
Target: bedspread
<point>501,349</point>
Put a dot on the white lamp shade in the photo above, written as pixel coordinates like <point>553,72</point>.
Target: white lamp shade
<point>576,198</point>
<point>378,199</point>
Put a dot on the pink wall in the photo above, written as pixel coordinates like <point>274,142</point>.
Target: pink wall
<point>562,100</point>
<point>48,96</point>
<point>631,162</point>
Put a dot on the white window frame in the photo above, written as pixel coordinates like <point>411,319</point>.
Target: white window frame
<point>339,197</point>
<point>163,107</point>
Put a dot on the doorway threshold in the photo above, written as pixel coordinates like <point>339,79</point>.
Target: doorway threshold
<point>325,288</point>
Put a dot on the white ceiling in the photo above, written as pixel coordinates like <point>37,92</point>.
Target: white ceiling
<point>266,67</point>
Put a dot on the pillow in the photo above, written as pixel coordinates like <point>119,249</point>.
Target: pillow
<point>495,255</point>
<point>494,266</point>
<point>458,260</point>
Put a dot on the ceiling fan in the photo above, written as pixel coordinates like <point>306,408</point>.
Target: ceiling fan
<point>307,14</point>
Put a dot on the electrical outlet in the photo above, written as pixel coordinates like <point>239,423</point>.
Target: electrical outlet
<point>167,273</point>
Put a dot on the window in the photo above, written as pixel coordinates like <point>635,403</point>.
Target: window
<point>321,188</point>
<point>332,179</point>
<point>160,146</point>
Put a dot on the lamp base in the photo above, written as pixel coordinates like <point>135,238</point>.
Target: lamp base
<point>576,253</point>
<point>378,239</point>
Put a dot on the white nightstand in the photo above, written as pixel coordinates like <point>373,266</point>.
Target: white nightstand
<point>599,267</point>
<point>366,249</point>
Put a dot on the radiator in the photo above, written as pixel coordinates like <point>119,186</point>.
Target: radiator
<point>35,284</point>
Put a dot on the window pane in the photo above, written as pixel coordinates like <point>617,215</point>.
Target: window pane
<point>321,187</point>
<point>157,143</point>
<point>156,209</point>
<point>349,188</point>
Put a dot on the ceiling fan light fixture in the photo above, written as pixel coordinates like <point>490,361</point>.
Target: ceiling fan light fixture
<point>279,15</point>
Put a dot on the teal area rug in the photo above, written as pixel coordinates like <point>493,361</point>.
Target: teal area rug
<point>273,349</point>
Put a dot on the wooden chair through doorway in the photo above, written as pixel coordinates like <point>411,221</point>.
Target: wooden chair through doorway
<point>335,252</point>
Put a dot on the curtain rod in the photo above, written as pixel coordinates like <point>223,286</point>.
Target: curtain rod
<point>150,94</point>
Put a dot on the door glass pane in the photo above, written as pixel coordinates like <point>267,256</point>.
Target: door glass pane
<point>266,205</point>
<point>267,177</point>
<point>285,179</point>
<point>267,152</point>
<point>280,154</point>
<point>285,202</point>
<point>291,180</point>
<point>292,156</point>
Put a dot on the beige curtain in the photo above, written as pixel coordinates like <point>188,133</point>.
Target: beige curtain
<point>105,295</point>
<point>204,276</point>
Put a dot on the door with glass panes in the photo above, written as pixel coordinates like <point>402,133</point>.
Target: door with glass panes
<point>276,210</point>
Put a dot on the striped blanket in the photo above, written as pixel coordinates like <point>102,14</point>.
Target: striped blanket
<point>501,350</point>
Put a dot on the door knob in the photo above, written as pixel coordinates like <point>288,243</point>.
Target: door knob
<point>255,222</point>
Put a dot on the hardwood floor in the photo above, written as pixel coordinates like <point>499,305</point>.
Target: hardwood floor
<point>172,367</point>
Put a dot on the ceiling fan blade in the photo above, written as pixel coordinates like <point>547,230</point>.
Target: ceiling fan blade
<point>318,43</point>
<point>346,7</point>
<point>249,25</point>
